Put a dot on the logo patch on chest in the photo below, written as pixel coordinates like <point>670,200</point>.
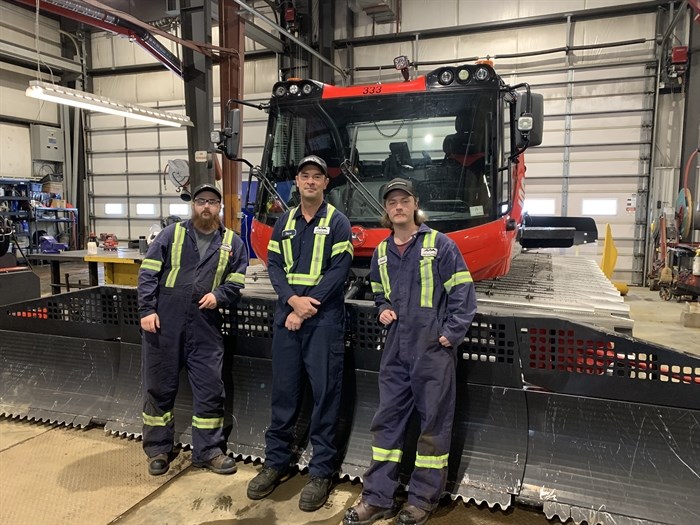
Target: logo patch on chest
<point>322,230</point>
<point>428,252</point>
<point>226,247</point>
<point>381,260</point>
<point>288,234</point>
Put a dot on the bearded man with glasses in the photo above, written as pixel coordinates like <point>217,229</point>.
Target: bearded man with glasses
<point>191,269</point>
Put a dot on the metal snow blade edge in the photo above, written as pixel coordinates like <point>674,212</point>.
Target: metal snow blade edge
<point>57,379</point>
<point>613,426</point>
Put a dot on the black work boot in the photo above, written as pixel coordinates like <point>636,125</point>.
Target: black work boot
<point>365,514</point>
<point>412,515</point>
<point>158,465</point>
<point>314,494</point>
<point>265,482</point>
<point>221,464</point>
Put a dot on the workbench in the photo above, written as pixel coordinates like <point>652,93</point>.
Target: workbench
<point>120,266</point>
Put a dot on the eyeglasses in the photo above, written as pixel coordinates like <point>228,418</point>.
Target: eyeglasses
<point>317,177</point>
<point>204,202</point>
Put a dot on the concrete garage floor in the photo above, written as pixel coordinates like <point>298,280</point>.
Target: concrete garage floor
<point>57,475</point>
<point>66,476</point>
<point>658,321</point>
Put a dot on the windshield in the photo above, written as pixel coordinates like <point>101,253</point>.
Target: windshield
<point>444,142</point>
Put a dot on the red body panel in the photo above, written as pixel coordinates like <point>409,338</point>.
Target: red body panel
<point>486,248</point>
<point>374,89</point>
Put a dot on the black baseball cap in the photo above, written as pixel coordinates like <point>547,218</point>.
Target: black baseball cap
<point>399,184</point>
<point>316,160</point>
<point>206,187</point>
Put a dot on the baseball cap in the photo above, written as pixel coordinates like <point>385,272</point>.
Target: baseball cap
<point>313,159</point>
<point>206,187</point>
<point>399,184</point>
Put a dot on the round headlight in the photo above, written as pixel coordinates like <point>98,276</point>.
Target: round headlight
<point>482,73</point>
<point>446,77</point>
<point>293,89</point>
<point>463,75</point>
<point>306,89</point>
<point>280,91</point>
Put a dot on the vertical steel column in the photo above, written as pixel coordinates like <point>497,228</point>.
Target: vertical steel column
<point>326,26</point>
<point>196,69</point>
<point>642,216</point>
<point>652,134</point>
<point>349,49</point>
<point>567,120</point>
<point>691,130</point>
<point>232,33</point>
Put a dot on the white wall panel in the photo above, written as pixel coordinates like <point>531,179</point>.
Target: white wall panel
<point>108,163</point>
<point>106,185</point>
<point>142,186</point>
<point>537,168</point>
<point>605,135</point>
<point>104,121</point>
<point>605,166</point>
<point>18,26</point>
<point>173,138</point>
<point>107,141</point>
<point>605,103</point>
<point>602,122</point>
<point>14,103</point>
<point>144,162</point>
<point>15,151</point>
<point>147,138</point>
<point>118,227</point>
<point>614,30</point>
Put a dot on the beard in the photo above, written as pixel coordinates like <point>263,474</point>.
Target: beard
<point>207,223</point>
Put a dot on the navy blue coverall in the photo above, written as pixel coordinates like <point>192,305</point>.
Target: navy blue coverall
<point>172,280</point>
<point>431,291</point>
<point>309,259</point>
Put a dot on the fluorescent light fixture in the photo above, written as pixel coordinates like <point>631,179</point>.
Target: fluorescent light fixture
<point>81,99</point>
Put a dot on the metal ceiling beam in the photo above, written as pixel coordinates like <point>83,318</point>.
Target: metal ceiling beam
<point>264,38</point>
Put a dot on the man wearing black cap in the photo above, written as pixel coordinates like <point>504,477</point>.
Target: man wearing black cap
<point>191,269</point>
<point>426,300</point>
<point>309,257</point>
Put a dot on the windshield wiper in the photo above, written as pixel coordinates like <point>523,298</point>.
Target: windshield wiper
<point>266,182</point>
<point>355,183</point>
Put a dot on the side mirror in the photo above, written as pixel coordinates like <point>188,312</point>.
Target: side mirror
<point>530,112</point>
<point>233,134</point>
<point>228,139</point>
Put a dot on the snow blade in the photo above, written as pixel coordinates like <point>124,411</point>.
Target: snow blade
<point>589,424</point>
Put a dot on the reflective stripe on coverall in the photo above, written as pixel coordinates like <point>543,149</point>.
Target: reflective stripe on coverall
<point>431,291</point>
<point>172,280</point>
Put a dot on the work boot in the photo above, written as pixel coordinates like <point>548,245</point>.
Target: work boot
<point>365,514</point>
<point>412,515</point>
<point>265,482</point>
<point>158,465</point>
<point>314,494</point>
<point>221,464</point>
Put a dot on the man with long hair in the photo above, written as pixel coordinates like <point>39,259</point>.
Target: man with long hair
<point>426,299</point>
